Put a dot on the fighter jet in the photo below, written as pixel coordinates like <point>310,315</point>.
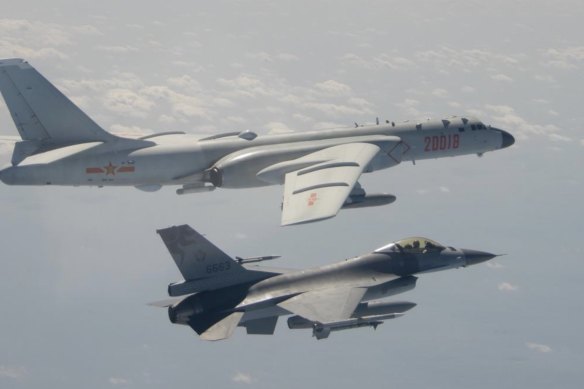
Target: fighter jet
<point>61,145</point>
<point>220,293</point>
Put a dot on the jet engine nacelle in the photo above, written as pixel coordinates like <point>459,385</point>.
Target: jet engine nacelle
<point>268,165</point>
<point>370,200</point>
<point>240,169</point>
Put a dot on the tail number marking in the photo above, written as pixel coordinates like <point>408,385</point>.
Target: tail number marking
<point>441,142</point>
<point>218,267</point>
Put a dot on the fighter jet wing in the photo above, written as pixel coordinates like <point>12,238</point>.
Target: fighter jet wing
<point>325,305</point>
<point>318,191</point>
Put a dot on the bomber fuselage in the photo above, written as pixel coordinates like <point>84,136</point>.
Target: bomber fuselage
<point>180,159</point>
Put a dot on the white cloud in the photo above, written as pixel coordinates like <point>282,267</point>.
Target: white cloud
<point>382,61</point>
<point>235,119</point>
<point>287,57</point>
<point>267,57</point>
<point>12,49</point>
<point>495,265</point>
<point>127,102</point>
<point>115,381</point>
<point>185,82</point>
<point>130,131</point>
<point>464,60</point>
<point>565,58</point>
<point>240,235</point>
<point>559,138</point>
<point>302,118</point>
<point>117,49</point>
<point>506,117</point>
<point>501,77</point>
<point>409,106</point>
<point>14,372</point>
<point>247,85</point>
<point>337,109</point>
<point>507,287</point>
<point>277,128</point>
<point>33,39</point>
<point>542,348</point>
<point>333,88</point>
<point>181,104</point>
<point>439,92</point>
<point>243,378</point>
<point>166,119</point>
<point>124,80</point>
<point>582,142</point>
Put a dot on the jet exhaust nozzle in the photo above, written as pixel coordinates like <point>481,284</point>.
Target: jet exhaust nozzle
<point>195,188</point>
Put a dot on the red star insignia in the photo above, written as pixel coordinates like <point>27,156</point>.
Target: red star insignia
<point>312,199</point>
<point>110,169</point>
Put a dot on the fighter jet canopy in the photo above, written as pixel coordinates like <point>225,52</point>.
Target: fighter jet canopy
<point>414,245</point>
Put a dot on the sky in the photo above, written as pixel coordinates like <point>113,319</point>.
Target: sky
<point>79,265</point>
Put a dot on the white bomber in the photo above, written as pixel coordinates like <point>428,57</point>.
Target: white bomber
<point>61,145</point>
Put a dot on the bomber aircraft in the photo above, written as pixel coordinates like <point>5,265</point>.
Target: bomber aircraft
<point>61,145</point>
<point>220,293</point>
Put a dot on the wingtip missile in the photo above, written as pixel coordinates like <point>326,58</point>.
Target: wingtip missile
<point>256,259</point>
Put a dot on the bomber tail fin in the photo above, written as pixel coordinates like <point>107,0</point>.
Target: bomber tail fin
<point>43,115</point>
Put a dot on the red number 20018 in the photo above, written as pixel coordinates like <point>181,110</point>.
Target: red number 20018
<point>441,142</point>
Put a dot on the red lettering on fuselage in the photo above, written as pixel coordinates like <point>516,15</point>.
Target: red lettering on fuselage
<point>441,142</point>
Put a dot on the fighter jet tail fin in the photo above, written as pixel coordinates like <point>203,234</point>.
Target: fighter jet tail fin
<point>196,257</point>
<point>43,115</point>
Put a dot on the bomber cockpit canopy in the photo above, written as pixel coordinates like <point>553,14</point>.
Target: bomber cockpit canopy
<point>415,245</point>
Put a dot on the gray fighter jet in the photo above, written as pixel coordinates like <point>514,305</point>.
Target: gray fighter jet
<point>61,145</point>
<point>220,293</point>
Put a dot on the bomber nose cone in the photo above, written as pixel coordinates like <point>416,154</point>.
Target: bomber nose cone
<point>472,257</point>
<point>507,139</point>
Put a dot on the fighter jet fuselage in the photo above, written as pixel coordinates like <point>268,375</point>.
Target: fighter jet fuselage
<point>219,293</point>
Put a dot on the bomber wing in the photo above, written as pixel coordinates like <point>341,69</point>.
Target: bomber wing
<point>319,191</point>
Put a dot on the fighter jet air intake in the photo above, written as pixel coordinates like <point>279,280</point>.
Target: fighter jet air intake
<point>320,170</point>
<point>220,293</point>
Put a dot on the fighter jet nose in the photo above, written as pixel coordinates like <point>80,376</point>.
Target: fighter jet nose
<point>473,257</point>
<point>507,139</point>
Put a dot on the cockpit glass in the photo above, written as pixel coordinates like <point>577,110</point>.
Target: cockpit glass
<point>419,245</point>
